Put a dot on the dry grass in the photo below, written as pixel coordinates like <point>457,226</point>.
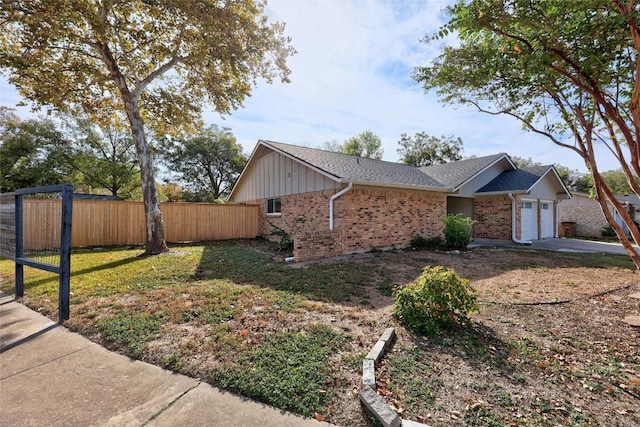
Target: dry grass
<point>548,346</point>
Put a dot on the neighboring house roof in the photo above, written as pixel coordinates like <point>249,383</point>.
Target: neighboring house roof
<point>631,199</point>
<point>359,170</point>
<point>456,174</point>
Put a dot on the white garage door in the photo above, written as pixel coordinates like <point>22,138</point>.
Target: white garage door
<point>546,220</point>
<point>528,220</point>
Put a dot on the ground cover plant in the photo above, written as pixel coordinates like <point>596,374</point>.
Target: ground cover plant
<point>546,348</point>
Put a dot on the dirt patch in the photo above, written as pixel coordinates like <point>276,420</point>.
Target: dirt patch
<point>548,346</point>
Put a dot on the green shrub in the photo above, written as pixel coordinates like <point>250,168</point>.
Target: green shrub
<point>457,231</point>
<point>422,242</point>
<point>439,299</point>
<point>607,231</point>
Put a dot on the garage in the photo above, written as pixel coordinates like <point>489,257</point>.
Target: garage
<point>529,220</point>
<point>546,220</point>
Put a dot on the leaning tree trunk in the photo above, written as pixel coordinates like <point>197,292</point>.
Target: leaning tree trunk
<point>154,243</point>
<point>604,195</point>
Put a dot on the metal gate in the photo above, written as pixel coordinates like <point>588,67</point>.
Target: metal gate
<point>50,249</point>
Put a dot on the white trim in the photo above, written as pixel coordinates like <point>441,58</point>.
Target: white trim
<point>513,222</point>
<point>334,197</point>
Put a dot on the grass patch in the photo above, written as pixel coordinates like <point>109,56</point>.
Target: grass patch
<point>289,370</point>
<point>131,332</point>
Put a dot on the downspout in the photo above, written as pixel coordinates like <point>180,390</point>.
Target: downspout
<point>334,197</point>
<point>513,222</point>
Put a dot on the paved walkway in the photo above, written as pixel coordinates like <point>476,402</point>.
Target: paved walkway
<point>50,376</point>
<point>558,245</point>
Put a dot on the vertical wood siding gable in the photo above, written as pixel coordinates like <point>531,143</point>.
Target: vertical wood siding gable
<point>275,175</point>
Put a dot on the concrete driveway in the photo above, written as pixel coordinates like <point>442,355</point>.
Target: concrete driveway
<point>558,245</point>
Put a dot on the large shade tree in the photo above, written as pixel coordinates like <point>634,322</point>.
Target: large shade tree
<point>567,70</point>
<point>29,153</point>
<point>366,144</point>
<point>207,163</point>
<point>423,149</point>
<point>104,157</point>
<point>159,62</point>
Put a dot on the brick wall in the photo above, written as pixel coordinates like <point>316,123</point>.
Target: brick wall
<point>589,219</point>
<point>381,219</point>
<point>317,245</point>
<point>493,217</point>
<point>364,219</point>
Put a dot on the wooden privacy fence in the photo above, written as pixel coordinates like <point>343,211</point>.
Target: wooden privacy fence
<point>115,223</point>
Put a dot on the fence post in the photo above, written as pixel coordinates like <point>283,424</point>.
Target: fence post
<point>19,247</point>
<point>64,290</point>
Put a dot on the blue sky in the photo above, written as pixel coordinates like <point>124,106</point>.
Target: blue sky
<point>352,74</point>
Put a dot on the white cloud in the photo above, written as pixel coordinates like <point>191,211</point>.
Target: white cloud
<point>352,74</point>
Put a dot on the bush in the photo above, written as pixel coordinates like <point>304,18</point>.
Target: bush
<point>422,242</point>
<point>608,231</point>
<point>457,231</point>
<point>439,299</point>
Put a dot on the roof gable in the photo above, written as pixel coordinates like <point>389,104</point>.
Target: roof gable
<point>521,180</point>
<point>359,170</point>
<point>456,174</point>
<point>447,177</point>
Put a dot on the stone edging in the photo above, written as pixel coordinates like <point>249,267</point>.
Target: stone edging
<point>368,396</point>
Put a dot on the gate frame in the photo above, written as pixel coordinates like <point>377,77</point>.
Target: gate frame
<point>64,267</point>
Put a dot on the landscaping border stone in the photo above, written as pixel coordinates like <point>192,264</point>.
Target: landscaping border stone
<point>368,395</point>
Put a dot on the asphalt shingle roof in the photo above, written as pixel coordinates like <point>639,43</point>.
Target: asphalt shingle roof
<point>444,177</point>
<point>457,173</point>
<point>515,180</point>
<point>359,169</point>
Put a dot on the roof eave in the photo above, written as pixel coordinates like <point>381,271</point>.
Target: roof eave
<point>397,186</point>
<point>501,193</point>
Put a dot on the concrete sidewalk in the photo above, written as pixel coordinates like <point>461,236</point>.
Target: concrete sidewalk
<point>50,376</point>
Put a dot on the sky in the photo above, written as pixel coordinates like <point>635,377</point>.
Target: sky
<point>352,73</point>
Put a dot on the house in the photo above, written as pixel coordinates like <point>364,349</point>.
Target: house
<point>586,213</point>
<point>332,203</point>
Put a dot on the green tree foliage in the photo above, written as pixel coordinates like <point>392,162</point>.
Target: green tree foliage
<point>565,69</point>
<point>207,164</point>
<point>156,62</point>
<point>104,157</point>
<point>424,150</point>
<point>439,299</point>
<point>617,181</point>
<point>367,144</point>
<point>28,154</point>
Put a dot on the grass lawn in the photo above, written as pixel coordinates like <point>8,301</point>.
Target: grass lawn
<point>547,347</point>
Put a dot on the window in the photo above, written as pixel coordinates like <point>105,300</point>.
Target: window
<point>545,206</point>
<point>274,206</point>
<point>526,205</point>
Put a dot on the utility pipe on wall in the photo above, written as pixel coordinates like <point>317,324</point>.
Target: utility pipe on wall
<point>334,197</point>
<point>513,222</point>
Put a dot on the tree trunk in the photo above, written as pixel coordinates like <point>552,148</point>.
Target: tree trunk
<point>154,243</point>
<point>604,194</point>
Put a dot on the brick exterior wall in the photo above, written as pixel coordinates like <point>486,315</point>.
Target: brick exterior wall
<point>493,217</point>
<point>381,219</point>
<point>317,245</point>
<point>364,219</point>
<point>589,219</point>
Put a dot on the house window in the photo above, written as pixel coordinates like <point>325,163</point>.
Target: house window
<point>526,205</point>
<point>545,206</point>
<point>274,206</point>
